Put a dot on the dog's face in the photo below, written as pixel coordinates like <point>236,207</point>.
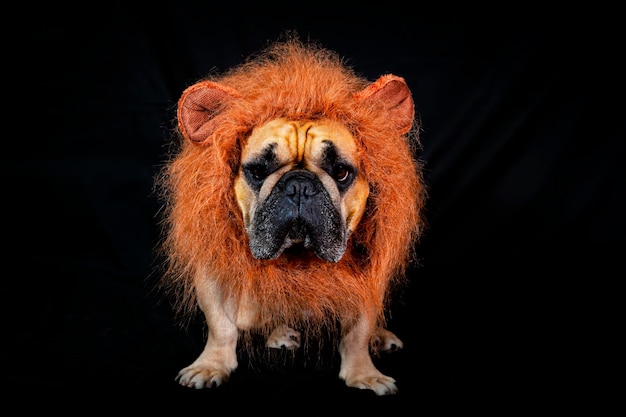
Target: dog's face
<point>299,188</point>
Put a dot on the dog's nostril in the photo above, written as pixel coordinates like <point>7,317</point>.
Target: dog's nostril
<point>291,189</point>
<point>307,190</point>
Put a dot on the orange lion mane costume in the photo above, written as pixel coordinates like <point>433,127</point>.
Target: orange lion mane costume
<point>204,230</point>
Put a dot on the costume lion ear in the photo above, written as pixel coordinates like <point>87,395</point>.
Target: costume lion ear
<point>392,92</point>
<point>199,109</point>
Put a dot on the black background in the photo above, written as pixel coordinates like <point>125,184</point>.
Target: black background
<point>523,142</point>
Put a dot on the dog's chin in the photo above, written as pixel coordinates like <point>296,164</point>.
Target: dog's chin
<point>302,250</point>
<point>299,245</point>
<point>298,248</point>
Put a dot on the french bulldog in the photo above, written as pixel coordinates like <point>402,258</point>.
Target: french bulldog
<point>294,200</point>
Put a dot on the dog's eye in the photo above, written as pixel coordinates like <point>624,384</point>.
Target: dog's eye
<point>256,173</point>
<point>341,173</point>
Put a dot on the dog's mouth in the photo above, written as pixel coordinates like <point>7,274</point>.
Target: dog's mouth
<point>298,234</point>
<point>298,240</point>
<point>298,250</point>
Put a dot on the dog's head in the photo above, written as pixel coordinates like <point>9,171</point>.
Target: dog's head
<point>299,155</point>
<point>299,187</point>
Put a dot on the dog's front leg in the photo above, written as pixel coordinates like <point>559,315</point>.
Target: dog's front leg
<point>357,368</point>
<point>219,357</point>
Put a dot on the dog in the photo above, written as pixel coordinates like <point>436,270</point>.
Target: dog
<point>293,201</point>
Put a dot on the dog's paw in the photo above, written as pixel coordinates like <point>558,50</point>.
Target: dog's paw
<point>283,337</point>
<point>385,341</point>
<point>379,383</point>
<point>198,377</point>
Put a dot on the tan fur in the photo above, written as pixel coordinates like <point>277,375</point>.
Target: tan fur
<point>288,90</point>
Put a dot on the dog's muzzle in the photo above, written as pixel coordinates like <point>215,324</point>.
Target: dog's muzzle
<point>298,211</point>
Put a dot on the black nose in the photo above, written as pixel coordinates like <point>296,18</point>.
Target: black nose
<point>299,185</point>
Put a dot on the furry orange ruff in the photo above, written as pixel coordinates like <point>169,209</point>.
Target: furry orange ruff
<point>205,237</point>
